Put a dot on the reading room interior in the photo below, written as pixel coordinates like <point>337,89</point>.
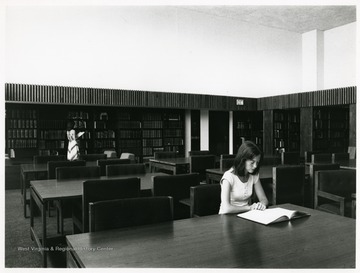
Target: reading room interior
<point>179,136</point>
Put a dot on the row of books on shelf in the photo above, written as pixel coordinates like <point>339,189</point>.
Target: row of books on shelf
<point>22,143</point>
<point>152,124</point>
<point>151,134</point>
<point>59,144</point>
<point>100,124</point>
<point>152,116</point>
<point>129,143</point>
<point>53,124</point>
<point>106,143</point>
<point>173,141</point>
<point>52,134</point>
<point>173,133</point>
<point>135,124</point>
<point>156,142</point>
<point>78,115</point>
<point>22,133</point>
<point>22,123</point>
<point>101,116</point>
<point>149,151</point>
<point>21,114</point>
<point>105,134</point>
<point>173,124</point>
<point>129,134</point>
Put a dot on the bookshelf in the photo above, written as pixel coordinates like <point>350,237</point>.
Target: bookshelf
<point>103,132</point>
<point>331,129</point>
<point>248,125</point>
<point>21,131</point>
<point>128,133</point>
<point>152,133</point>
<point>82,120</point>
<point>286,130</point>
<point>173,132</point>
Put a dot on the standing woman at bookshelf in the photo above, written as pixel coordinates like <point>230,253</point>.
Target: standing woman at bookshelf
<point>238,183</point>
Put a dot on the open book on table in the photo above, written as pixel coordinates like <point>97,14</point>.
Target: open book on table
<point>272,215</point>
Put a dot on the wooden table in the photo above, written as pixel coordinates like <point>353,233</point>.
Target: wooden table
<point>322,240</point>
<point>176,165</point>
<point>44,191</point>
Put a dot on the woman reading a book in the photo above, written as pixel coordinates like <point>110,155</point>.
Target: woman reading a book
<point>238,183</point>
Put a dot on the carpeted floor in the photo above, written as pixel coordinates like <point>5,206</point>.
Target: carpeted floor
<point>20,250</point>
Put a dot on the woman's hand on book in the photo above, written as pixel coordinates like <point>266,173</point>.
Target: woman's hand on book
<point>257,206</point>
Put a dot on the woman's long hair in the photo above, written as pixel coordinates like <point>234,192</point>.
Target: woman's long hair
<point>247,151</point>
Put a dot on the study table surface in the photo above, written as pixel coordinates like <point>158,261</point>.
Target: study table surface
<point>322,240</point>
<point>176,165</point>
<point>43,191</point>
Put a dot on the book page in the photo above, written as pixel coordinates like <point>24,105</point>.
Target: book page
<point>267,216</point>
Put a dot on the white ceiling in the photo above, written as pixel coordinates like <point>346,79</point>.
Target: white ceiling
<point>298,19</point>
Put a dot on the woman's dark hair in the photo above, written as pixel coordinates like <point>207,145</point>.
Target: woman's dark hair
<point>247,151</point>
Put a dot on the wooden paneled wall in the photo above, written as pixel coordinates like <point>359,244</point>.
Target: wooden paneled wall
<point>26,93</point>
<point>337,96</point>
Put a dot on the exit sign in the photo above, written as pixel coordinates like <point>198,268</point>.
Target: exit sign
<point>239,102</point>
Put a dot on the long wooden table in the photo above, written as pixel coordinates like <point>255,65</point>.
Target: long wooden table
<point>322,240</point>
<point>44,191</point>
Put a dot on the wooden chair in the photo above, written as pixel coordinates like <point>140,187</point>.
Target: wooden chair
<point>92,157</point>
<point>226,161</point>
<point>199,164</point>
<point>125,169</point>
<point>100,190</point>
<point>63,174</point>
<point>102,163</point>
<point>321,158</point>
<point>42,159</point>
<point>178,187</point>
<point>334,191</point>
<point>202,152</point>
<point>288,184</point>
<point>52,165</point>
<point>205,200</point>
<point>130,212</point>
<point>340,157</point>
<point>165,154</point>
<point>290,158</point>
<point>110,153</point>
<point>308,154</point>
<point>310,185</point>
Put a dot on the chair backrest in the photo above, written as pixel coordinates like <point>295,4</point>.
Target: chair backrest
<point>102,163</point>
<point>290,158</point>
<point>77,172</point>
<point>165,154</point>
<point>130,212</point>
<point>321,158</point>
<point>205,200</point>
<point>352,152</point>
<point>203,152</point>
<point>128,156</point>
<point>108,189</point>
<point>177,186</point>
<point>226,163</point>
<point>340,157</point>
<point>92,157</point>
<point>52,165</point>
<point>271,161</point>
<point>199,164</point>
<point>308,154</point>
<point>41,159</point>
<point>288,184</point>
<point>312,169</point>
<point>125,169</point>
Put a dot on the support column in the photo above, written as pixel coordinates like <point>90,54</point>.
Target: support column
<point>204,129</point>
<point>231,135</point>
<point>187,132</point>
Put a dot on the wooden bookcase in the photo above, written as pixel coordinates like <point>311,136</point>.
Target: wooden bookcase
<point>41,129</point>
<point>248,125</point>
<point>331,129</point>
<point>286,130</point>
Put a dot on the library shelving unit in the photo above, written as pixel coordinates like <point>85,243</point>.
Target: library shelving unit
<point>51,132</point>
<point>21,131</point>
<point>287,130</point>
<point>103,132</point>
<point>195,130</point>
<point>152,133</point>
<point>248,125</point>
<point>173,132</point>
<point>331,129</point>
<point>128,133</point>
